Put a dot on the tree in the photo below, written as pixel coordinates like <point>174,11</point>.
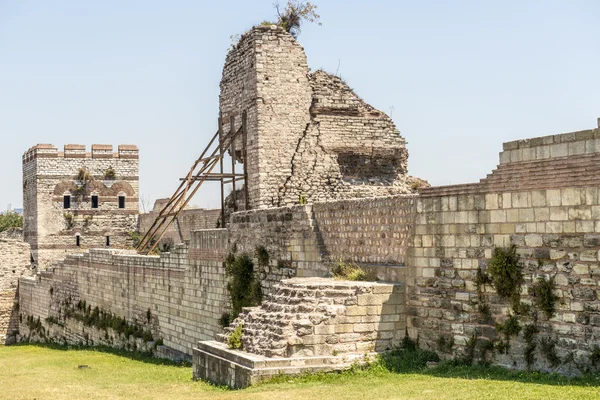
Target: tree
<point>10,220</point>
<point>294,14</point>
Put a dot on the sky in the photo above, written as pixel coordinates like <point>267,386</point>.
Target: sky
<point>459,78</point>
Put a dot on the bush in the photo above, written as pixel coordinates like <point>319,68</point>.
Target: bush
<point>110,174</point>
<point>235,339</point>
<point>294,15</point>
<point>352,272</point>
<point>544,297</point>
<point>506,271</point>
<point>407,357</point>
<point>244,289</point>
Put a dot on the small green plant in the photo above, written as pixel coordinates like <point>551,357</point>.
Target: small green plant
<point>262,256</point>
<point>302,200</point>
<point>234,341</point>
<point>510,327</point>
<point>110,174</point>
<point>548,348</point>
<point>69,220</point>
<point>244,289</point>
<point>487,347</point>
<point>469,351</point>
<point>352,272</point>
<point>529,333</point>
<point>502,346</point>
<point>445,343</point>
<point>544,296</point>
<point>506,271</point>
<point>294,14</point>
<point>595,356</point>
<point>84,177</point>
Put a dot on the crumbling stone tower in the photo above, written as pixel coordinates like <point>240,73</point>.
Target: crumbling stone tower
<point>75,200</point>
<point>309,135</point>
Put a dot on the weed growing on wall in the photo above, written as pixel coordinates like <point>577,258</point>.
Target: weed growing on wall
<point>351,272</point>
<point>509,328</point>
<point>506,271</point>
<point>530,345</point>
<point>262,256</point>
<point>110,174</point>
<point>445,344</point>
<point>548,348</point>
<point>595,356</point>
<point>244,289</point>
<point>544,296</point>
<point>84,177</point>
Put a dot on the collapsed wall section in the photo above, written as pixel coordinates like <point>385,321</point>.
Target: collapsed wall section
<point>310,136</point>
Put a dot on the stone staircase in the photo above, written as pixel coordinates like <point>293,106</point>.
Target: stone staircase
<point>307,317</point>
<point>574,171</point>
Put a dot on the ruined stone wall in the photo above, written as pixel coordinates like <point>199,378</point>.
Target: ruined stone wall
<point>544,199</point>
<point>309,135</point>
<point>184,292</point>
<point>188,221</point>
<point>305,240</point>
<point>14,263</point>
<point>49,175</point>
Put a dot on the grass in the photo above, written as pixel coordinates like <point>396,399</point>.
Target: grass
<point>41,372</point>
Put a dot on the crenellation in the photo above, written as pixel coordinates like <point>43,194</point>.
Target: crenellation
<point>93,216</point>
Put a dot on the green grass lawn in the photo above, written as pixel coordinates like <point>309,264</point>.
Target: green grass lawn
<point>35,372</point>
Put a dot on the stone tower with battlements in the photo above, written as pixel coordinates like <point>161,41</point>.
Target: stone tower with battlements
<point>75,200</point>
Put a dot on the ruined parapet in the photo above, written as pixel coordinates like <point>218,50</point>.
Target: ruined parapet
<point>308,325</point>
<point>307,317</point>
<point>75,199</point>
<point>309,135</point>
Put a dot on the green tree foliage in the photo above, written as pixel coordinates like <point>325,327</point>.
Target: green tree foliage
<point>10,220</point>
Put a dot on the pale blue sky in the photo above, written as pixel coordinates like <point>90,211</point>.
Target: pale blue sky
<point>462,76</point>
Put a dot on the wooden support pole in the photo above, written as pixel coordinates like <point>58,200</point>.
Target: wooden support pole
<point>232,153</point>
<point>245,155</point>
<point>221,169</point>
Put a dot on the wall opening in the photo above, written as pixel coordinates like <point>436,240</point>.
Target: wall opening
<point>108,241</point>
<point>77,240</point>
<point>121,201</point>
<point>67,201</point>
<point>95,201</point>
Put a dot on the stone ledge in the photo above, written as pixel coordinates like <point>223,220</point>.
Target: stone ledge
<point>216,363</point>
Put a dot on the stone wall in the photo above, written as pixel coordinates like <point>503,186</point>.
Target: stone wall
<point>544,199</point>
<point>183,292</point>
<point>49,176</point>
<point>309,135</point>
<point>14,263</point>
<point>188,221</point>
